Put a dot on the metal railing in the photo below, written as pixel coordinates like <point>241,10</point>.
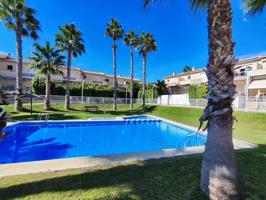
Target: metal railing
<point>85,100</point>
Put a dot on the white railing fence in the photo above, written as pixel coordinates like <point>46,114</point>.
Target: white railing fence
<point>250,103</point>
<point>80,100</point>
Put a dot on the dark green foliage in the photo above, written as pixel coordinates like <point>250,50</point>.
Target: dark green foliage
<point>197,91</point>
<point>187,68</point>
<point>149,93</point>
<point>253,6</point>
<point>90,90</point>
<point>161,87</point>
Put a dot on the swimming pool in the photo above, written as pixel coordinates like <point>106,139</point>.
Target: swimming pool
<point>36,141</point>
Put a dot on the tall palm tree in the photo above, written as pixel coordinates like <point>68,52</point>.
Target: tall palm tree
<point>70,40</point>
<point>115,31</point>
<point>131,39</point>
<point>19,18</point>
<point>147,45</point>
<point>219,173</point>
<point>47,60</point>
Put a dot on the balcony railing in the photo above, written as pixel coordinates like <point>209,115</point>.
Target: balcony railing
<point>257,72</point>
<point>12,74</point>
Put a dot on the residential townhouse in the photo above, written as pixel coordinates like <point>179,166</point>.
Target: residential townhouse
<point>250,78</point>
<point>8,75</point>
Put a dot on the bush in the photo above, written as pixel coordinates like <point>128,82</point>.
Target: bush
<point>75,89</point>
<point>149,93</point>
<point>197,91</point>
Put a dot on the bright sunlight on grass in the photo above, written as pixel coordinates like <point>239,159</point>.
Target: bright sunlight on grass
<point>174,178</point>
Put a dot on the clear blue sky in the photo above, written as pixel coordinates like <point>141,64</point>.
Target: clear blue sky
<point>181,36</point>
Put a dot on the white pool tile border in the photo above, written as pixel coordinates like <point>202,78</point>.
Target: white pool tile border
<point>81,162</point>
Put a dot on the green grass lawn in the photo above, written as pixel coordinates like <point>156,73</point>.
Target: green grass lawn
<point>173,178</point>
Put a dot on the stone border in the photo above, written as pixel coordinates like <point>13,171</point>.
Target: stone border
<point>81,162</point>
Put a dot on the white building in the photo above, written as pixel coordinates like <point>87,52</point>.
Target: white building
<point>8,75</point>
<point>250,78</point>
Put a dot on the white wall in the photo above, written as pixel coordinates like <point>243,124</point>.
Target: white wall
<point>177,99</point>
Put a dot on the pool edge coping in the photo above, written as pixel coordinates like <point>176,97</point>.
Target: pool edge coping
<point>92,161</point>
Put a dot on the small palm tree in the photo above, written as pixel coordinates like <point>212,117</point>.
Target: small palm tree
<point>147,45</point>
<point>187,68</point>
<point>161,87</point>
<point>19,18</point>
<point>70,40</point>
<point>47,60</point>
<point>115,31</point>
<point>219,172</point>
<point>131,40</point>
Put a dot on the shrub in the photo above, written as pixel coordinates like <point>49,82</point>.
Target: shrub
<point>197,91</point>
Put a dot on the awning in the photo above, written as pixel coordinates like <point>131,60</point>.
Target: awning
<point>257,84</point>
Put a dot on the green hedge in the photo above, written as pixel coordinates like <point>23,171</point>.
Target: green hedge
<point>90,90</point>
<point>197,91</point>
<point>149,93</point>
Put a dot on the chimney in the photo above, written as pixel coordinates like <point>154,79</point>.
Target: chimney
<point>174,73</point>
<point>193,68</point>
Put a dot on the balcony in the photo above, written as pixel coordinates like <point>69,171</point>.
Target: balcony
<point>28,75</point>
<point>173,83</point>
<point>257,72</point>
<point>199,81</point>
<point>12,74</point>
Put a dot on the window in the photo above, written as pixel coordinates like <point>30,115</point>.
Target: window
<point>10,67</point>
<point>242,72</point>
<point>189,77</point>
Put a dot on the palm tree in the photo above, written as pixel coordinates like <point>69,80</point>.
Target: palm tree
<point>161,87</point>
<point>187,68</point>
<point>219,173</point>
<point>70,40</point>
<point>131,40</point>
<point>19,18</point>
<point>115,31</point>
<point>47,60</point>
<point>147,45</point>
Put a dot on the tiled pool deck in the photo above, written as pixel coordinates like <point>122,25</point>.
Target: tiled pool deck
<point>80,162</point>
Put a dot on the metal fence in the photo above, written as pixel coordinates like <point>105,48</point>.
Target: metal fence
<point>250,103</point>
<point>80,100</point>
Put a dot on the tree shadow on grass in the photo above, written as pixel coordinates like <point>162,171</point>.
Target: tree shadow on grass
<point>173,178</point>
<point>139,111</point>
<point>52,116</point>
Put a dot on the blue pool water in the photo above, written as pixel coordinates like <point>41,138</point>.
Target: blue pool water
<point>54,140</point>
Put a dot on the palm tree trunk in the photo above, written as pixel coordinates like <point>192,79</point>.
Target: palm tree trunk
<point>131,78</point>
<point>219,173</point>
<point>18,102</point>
<point>47,101</point>
<point>114,79</point>
<point>67,97</point>
<point>144,81</point>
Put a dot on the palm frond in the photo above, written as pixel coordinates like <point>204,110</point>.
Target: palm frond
<point>10,10</point>
<point>254,6</point>
<point>70,38</point>
<point>114,30</point>
<point>147,43</point>
<point>198,5</point>
<point>47,59</point>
